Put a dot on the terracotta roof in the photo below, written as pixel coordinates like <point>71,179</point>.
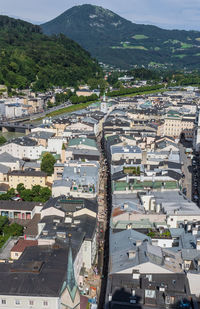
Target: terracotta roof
<point>22,244</point>
<point>117,211</point>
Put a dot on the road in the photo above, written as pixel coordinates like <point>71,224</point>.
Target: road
<point>35,116</point>
<point>187,170</point>
<point>104,262</point>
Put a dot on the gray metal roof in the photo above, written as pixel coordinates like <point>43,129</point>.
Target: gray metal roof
<point>41,271</point>
<point>125,149</point>
<point>4,169</point>
<point>5,157</point>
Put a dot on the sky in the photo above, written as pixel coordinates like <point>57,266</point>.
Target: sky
<point>168,14</point>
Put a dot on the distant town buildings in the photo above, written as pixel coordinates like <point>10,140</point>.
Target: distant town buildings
<point>119,160</point>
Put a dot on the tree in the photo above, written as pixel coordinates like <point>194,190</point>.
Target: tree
<point>103,84</point>
<point>26,195</point>
<point>13,229</point>
<point>37,194</point>
<point>45,194</point>
<point>47,164</point>
<point>20,188</point>
<point>49,104</point>
<point>7,196</point>
<point>138,170</point>
<point>93,83</point>
<point>3,140</point>
<point>36,190</point>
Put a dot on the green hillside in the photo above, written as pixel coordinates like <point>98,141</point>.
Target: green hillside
<point>117,41</point>
<point>28,57</point>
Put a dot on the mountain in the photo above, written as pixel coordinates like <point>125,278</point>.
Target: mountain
<point>117,41</point>
<point>28,57</point>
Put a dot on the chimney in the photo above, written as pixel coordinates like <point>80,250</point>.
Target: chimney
<point>198,244</point>
<point>131,254</point>
<point>195,231</point>
<point>127,178</point>
<point>138,243</point>
<point>125,206</point>
<point>129,226</point>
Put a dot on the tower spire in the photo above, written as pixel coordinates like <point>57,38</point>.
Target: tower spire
<point>70,280</point>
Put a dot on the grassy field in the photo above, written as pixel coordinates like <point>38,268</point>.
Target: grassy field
<point>126,46</point>
<point>140,37</point>
<point>69,109</point>
<point>171,41</point>
<point>65,110</point>
<point>185,45</point>
<point>145,92</point>
<point>180,56</point>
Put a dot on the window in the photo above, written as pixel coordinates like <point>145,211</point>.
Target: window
<point>16,254</point>
<point>31,302</point>
<point>150,293</point>
<point>45,303</point>
<point>3,301</point>
<point>17,302</point>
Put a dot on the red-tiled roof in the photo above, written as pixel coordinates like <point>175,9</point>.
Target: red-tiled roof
<point>22,244</point>
<point>117,211</point>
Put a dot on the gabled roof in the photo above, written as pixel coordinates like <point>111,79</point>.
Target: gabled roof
<point>22,244</point>
<point>71,204</point>
<point>5,157</point>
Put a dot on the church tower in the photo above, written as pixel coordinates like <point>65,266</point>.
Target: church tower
<point>70,295</point>
<point>104,105</point>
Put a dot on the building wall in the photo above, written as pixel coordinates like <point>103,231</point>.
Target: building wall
<point>127,155</point>
<point>146,268</point>
<point>3,178</point>
<point>78,263</point>
<point>24,302</point>
<point>20,151</point>
<point>174,127</point>
<point>94,248</point>
<point>52,211</point>
<point>15,255</point>
<point>28,181</point>
<point>58,171</point>
<point>55,145</point>
<point>66,301</point>
<point>87,256</point>
<point>85,211</point>
<point>194,280</point>
<point>172,220</point>
<point>163,243</point>
<point>137,217</point>
<point>84,93</point>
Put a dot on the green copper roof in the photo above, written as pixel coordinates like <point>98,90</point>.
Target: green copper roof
<point>84,141</point>
<point>137,185</point>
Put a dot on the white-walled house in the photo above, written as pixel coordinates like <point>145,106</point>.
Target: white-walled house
<point>23,148</point>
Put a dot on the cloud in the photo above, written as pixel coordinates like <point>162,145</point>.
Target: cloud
<point>183,14</point>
